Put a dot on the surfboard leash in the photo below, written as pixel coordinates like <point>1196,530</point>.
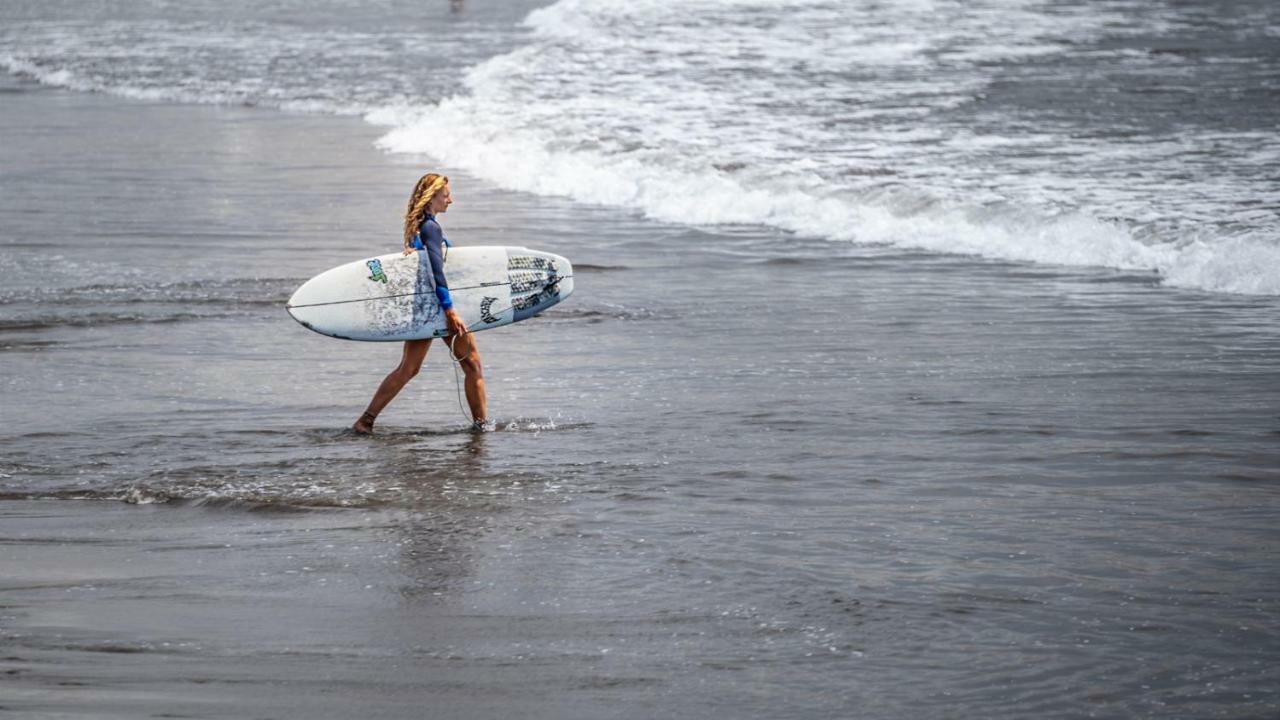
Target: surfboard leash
<point>457,384</point>
<point>449,341</point>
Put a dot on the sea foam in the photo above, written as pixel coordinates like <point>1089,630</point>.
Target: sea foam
<point>732,111</point>
<point>851,122</point>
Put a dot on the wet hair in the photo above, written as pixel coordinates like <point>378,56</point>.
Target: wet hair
<point>427,187</point>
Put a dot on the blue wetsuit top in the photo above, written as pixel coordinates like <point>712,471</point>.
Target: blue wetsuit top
<point>431,238</point>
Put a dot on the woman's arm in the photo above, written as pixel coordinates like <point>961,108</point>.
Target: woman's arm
<point>433,239</point>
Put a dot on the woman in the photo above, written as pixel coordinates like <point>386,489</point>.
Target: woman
<point>431,197</point>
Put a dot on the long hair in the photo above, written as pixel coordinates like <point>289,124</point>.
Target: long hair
<point>427,187</point>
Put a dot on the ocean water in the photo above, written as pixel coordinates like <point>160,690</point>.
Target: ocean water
<point>924,361</point>
<point>1117,134</point>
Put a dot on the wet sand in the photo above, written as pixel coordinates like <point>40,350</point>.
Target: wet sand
<point>119,611</point>
<point>947,488</point>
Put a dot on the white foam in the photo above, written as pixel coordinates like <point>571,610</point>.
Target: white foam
<point>1245,265</point>
<point>599,109</point>
<point>831,119</point>
<point>258,64</point>
<point>45,76</point>
<point>520,162</point>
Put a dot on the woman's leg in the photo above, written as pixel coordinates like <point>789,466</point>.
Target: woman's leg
<point>415,351</point>
<point>465,351</point>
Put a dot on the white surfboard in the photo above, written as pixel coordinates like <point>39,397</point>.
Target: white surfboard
<point>390,297</point>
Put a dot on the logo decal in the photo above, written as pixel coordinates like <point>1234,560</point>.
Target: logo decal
<point>485,314</point>
<point>375,266</point>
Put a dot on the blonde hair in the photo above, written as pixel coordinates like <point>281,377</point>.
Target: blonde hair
<point>427,187</point>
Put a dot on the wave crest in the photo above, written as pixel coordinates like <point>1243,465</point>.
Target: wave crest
<point>740,112</point>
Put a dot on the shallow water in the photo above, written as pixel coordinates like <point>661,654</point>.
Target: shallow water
<point>1026,490</point>
<point>740,473</point>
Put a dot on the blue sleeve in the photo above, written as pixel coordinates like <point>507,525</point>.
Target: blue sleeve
<point>434,240</point>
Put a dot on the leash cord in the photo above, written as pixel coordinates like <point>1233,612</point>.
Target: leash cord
<point>450,340</point>
<point>457,383</point>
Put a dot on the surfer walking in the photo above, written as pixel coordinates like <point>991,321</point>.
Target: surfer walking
<point>431,197</point>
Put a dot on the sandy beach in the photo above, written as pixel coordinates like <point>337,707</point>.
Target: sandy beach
<point>741,473</point>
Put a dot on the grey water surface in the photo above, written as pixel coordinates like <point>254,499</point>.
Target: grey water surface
<point>740,473</point>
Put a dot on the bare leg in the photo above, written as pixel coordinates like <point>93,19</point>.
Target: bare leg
<point>415,351</point>
<point>464,349</point>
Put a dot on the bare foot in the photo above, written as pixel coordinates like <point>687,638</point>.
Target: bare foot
<point>364,425</point>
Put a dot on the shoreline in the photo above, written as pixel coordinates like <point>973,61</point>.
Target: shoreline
<point>748,476</point>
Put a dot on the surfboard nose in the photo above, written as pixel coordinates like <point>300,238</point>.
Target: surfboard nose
<point>539,280</point>
<point>564,276</point>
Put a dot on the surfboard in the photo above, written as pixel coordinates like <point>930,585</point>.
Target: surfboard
<point>390,297</point>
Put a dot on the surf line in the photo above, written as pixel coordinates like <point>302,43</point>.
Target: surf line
<point>412,294</point>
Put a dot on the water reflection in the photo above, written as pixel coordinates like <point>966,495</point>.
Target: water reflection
<point>452,497</point>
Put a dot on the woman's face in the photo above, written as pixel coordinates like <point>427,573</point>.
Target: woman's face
<point>440,201</point>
